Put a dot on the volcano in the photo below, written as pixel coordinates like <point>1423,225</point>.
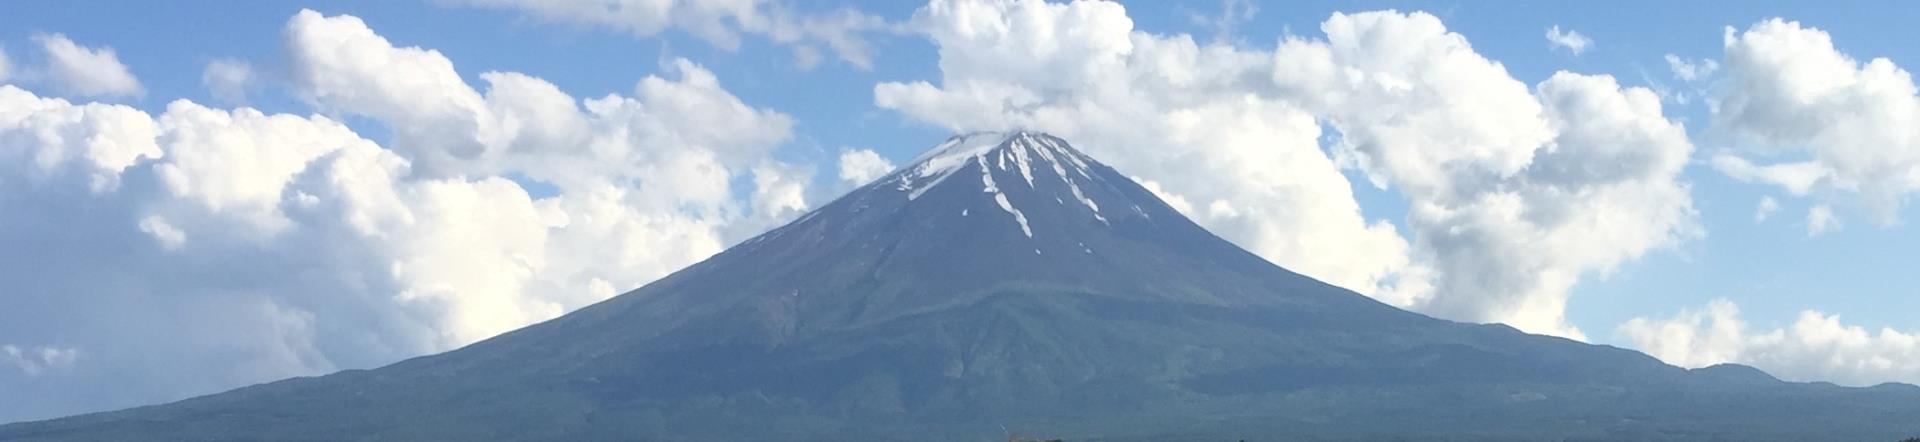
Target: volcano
<point>1005,284</point>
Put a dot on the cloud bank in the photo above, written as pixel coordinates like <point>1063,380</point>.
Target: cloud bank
<point>1514,193</point>
<point>1815,347</point>
<point>205,248</point>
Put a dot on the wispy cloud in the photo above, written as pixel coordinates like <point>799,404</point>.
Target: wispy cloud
<point>1571,40</point>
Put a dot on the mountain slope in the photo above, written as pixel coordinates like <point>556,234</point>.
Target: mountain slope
<point>1008,283</point>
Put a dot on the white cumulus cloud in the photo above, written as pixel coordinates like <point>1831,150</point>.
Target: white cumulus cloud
<point>1815,347</point>
<point>1580,169</point>
<point>1514,194</point>
<point>1843,126</point>
<point>319,249</point>
<point>86,71</point>
<point>1182,117</point>
<point>861,166</point>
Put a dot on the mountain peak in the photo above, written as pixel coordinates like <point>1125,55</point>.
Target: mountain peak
<point>1019,147</point>
<point>983,211</point>
<point>963,147</point>
<point>1040,165</point>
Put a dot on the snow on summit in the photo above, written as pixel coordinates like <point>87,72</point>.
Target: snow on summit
<point>1016,154</point>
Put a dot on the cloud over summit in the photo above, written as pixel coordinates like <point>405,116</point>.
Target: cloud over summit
<point>1491,169</point>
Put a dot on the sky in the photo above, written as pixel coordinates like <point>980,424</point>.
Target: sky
<point>197,196</point>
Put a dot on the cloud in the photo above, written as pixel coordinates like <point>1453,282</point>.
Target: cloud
<point>1764,209</point>
<point>453,129</point>
<point>169,237</point>
<point>779,195</point>
<point>1796,178</point>
<point>1844,124</point>
<point>319,249</point>
<point>1821,220</point>
<point>1496,175</point>
<point>1816,347</point>
<point>861,166</point>
<point>84,71</point>
<point>1179,116</point>
<point>1691,70</point>
<point>1693,75</point>
<point>1571,40</point>
<point>720,23</point>
<point>50,139</point>
<point>1513,194</point>
<point>228,79</point>
<point>35,361</point>
<point>339,64</point>
<point>1482,119</point>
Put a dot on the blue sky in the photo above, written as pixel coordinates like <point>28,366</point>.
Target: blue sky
<point>1775,270</point>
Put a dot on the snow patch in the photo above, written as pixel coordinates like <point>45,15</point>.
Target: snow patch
<point>1079,163</point>
<point>914,194</point>
<point>954,153</point>
<point>1017,216</point>
<point>1008,208</point>
<point>986,177</point>
<point>943,160</point>
<point>1020,158</point>
<point>1055,155</point>
<point>988,186</point>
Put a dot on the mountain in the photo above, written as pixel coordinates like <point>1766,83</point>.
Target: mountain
<point>1009,284</point>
